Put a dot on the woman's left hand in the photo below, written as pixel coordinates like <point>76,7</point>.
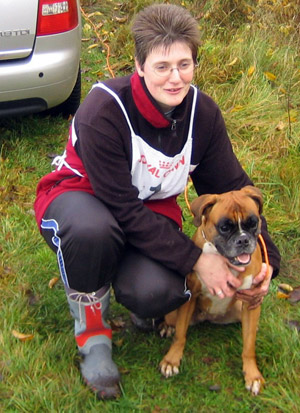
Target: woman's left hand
<point>261,285</point>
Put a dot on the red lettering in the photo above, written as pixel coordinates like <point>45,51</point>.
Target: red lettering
<point>143,159</point>
<point>181,161</point>
<point>154,171</point>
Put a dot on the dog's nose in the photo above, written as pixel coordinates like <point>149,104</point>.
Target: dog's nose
<point>242,240</point>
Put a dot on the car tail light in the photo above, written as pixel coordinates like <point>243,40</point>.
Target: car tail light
<point>56,16</point>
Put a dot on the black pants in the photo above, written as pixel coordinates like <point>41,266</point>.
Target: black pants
<point>92,252</point>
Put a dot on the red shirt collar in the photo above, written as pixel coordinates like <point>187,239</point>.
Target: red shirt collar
<point>144,104</point>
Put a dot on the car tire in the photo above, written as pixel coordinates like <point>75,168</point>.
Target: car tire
<point>69,106</point>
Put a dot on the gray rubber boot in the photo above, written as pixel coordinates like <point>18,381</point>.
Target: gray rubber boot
<point>93,338</point>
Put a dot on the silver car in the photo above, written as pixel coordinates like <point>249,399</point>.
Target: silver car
<point>39,56</point>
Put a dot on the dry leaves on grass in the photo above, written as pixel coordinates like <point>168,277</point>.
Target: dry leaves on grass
<point>270,76</point>
<point>286,291</point>
<point>251,70</point>
<point>52,282</point>
<point>22,336</point>
<point>117,324</point>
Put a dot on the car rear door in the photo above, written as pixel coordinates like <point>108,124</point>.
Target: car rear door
<point>18,20</point>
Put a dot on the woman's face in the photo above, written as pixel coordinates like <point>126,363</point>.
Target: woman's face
<point>170,88</point>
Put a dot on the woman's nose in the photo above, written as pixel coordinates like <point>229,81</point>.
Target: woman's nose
<point>175,74</point>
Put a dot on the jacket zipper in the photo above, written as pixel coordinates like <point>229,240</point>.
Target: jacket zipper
<point>173,126</point>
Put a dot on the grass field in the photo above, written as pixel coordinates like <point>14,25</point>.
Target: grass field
<point>249,63</point>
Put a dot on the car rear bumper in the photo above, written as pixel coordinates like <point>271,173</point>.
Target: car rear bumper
<point>48,75</point>
<point>22,107</point>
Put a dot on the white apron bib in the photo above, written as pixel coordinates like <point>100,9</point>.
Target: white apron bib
<point>154,174</point>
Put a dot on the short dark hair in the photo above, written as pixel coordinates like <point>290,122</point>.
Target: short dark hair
<point>162,25</point>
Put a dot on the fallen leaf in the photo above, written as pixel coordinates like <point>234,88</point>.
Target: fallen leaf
<point>96,13</point>
<point>121,19</point>
<point>236,108</point>
<point>251,70</point>
<point>52,282</point>
<point>285,287</point>
<point>233,62</point>
<point>92,46</point>
<point>117,324</point>
<point>270,76</point>
<point>21,336</point>
<point>282,295</point>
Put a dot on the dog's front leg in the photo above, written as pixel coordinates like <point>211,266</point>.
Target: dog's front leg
<point>253,378</point>
<point>167,327</point>
<point>170,363</point>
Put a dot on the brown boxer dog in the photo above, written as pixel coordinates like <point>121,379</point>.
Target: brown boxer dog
<point>228,224</point>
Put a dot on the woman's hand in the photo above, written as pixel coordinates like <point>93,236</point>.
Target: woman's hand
<point>213,270</point>
<point>261,285</point>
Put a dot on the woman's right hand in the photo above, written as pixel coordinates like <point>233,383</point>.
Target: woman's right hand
<point>213,270</point>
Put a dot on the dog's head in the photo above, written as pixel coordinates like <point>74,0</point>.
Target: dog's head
<point>231,221</point>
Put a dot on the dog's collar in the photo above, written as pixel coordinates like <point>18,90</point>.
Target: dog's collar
<point>203,235</point>
<point>208,246</point>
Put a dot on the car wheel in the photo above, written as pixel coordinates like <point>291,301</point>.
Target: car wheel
<point>69,106</point>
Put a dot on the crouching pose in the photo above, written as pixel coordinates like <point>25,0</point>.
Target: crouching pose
<point>109,208</point>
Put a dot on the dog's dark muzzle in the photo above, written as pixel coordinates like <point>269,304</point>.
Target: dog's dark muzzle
<point>239,249</point>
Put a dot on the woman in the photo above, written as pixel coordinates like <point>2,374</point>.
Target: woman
<point>109,209</point>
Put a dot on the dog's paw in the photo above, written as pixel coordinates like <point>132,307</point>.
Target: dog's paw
<point>255,386</point>
<point>167,369</point>
<point>165,330</point>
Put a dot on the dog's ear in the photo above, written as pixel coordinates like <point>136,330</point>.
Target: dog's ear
<point>201,206</point>
<point>255,194</point>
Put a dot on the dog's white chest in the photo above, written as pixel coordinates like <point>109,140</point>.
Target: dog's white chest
<point>220,306</point>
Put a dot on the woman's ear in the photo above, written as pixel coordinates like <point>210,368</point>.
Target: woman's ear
<point>138,68</point>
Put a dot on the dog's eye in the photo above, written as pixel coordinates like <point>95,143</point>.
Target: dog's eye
<point>251,223</point>
<point>225,227</point>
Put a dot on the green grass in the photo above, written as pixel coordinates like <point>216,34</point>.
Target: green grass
<point>262,116</point>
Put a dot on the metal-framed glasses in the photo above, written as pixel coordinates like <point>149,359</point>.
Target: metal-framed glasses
<point>165,69</point>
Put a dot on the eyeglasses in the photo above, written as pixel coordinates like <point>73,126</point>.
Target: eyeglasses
<point>165,69</point>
